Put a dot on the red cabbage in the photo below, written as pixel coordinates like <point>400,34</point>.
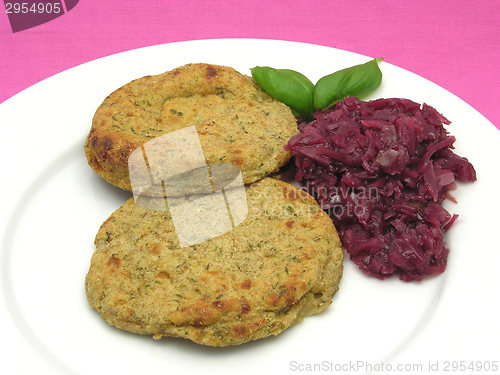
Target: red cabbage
<point>381,169</point>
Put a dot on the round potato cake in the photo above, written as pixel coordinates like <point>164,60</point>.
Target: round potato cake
<point>236,120</point>
<point>281,264</point>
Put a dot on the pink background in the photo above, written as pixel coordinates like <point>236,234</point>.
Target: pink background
<point>455,44</point>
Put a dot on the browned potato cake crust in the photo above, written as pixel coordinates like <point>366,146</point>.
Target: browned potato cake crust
<point>281,264</point>
<point>236,120</point>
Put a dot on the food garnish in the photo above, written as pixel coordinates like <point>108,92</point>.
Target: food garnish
<point>304,98</point>
<point>354,81</point>
<point>288,86</point>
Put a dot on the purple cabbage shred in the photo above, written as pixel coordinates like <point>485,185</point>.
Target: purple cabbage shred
<point>381,169</point>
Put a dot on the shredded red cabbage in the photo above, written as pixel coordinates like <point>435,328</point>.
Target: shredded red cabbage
<point>381,169</point>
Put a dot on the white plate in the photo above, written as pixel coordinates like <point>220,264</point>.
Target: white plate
<point>53,204</point>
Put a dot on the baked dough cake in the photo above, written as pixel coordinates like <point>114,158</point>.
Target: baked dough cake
<point>236,120</point>
<point>281,264</point>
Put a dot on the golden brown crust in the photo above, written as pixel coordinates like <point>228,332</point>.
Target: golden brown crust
<point>237,122</point>
<point>281,264</point>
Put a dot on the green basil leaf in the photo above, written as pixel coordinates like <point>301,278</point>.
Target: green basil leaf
<point>287,86</point>
<point>354,81</point>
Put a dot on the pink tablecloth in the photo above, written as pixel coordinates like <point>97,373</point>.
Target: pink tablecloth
<point>455,44</point>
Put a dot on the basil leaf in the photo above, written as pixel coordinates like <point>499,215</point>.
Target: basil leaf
<point>287,86</point>
<point>353,81</point>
